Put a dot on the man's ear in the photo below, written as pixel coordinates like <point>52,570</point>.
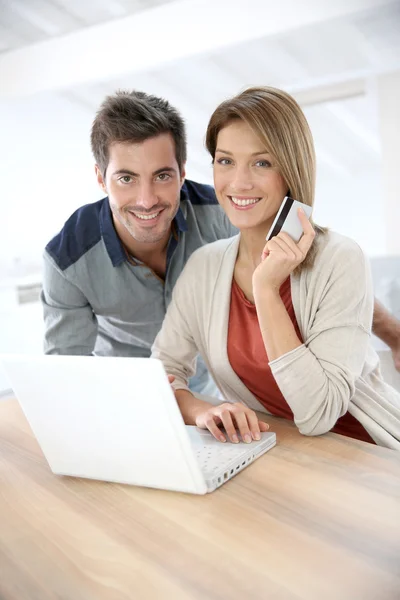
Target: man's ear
<point>183,175</point>
<point>100,178</point>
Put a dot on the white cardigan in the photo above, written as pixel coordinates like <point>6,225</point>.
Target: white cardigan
<point>336,369</point>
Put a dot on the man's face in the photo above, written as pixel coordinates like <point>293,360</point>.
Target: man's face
<point>143,184</point>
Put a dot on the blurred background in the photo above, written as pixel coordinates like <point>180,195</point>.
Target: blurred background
<point>60,58</point>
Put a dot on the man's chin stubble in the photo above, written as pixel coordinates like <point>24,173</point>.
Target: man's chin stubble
<point>145,238</point>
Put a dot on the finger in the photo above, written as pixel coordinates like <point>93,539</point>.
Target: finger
<point>263,426</point>
<point>290,252</point>
<point>309,233</point>
<point>291,245</point>
<point>213,428</point>
<point>274,247</point>
<point>240,418</point>
<point>253,424</point>
<point>306,242</point>
<point>265,252</point>
<point>288,240</point>
<point>171,378</point>
<point>304,220</point>
<point>227,422</point>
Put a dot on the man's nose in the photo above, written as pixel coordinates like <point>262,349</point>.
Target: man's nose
<point>146,197</point>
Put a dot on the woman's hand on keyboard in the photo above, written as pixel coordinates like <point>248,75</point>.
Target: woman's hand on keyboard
<point>232,417</point>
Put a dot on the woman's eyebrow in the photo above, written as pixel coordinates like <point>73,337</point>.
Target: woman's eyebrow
<point>253,154</point>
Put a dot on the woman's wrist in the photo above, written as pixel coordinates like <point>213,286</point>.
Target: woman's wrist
<point>263,293</point>
<point>190,406</point>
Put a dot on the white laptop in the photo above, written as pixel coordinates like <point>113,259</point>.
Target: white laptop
<point>116,419</point>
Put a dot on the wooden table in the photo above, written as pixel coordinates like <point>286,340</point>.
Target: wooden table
<point>315,518</point>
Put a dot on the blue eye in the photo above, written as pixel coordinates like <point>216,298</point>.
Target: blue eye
<point>224,161</point>
<point>263,163</point>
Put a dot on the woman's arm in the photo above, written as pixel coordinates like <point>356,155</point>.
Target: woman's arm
<point>175,343</point>
<point>280,257</point>
<point>318,378</point>
<point>176,347</point>
<point>277,330</point>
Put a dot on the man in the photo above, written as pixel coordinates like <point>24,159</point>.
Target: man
<point>110,272</point>
<point>387,328</point>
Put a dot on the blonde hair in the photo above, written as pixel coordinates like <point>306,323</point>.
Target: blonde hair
<point>280,124</point>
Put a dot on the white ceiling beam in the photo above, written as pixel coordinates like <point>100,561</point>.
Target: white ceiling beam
<point>46,16</point>
<point>309,95</point>
<point>159,36</point>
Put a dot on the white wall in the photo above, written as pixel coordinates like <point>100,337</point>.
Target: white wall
<point>354,207</point>
<point>388,92</point>
<point>46,173</point>
<point>21,329</point>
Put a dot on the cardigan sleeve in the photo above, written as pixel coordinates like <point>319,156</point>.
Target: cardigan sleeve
<point>175,345</point>
<point>318,378</point>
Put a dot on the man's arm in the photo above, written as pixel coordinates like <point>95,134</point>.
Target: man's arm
<point>387,328</point>
<point>70,324</point>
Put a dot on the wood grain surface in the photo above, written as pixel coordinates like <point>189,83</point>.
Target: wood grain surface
<point>315,518</point>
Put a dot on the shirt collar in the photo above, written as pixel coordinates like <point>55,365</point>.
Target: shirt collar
<point>111,240</point>
<point>180,219</point>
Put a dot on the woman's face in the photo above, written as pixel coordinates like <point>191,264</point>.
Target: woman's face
<point>248,185</point>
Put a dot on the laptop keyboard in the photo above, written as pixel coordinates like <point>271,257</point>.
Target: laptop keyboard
<point>213,459</point>
<point>221,461</point>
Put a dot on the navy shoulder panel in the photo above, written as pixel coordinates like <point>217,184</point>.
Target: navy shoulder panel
<point>199,193</point>
<point>80,233</point>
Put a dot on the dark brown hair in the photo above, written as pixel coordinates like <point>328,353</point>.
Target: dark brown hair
<point>131,116</point>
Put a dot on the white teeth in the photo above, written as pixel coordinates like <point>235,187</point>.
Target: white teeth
<point>244,202</point>
<point>146,217</point>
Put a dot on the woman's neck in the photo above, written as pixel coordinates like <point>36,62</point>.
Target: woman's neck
<point>252,242</point>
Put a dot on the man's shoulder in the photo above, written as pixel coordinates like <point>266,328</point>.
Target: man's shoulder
<point>79,234</point>
<point>209,216</point>
<point>200,193</point>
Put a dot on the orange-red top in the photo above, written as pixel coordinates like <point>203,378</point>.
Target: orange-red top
<point>249,360</point>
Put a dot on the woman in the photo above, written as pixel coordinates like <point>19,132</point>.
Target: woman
<point>284,328</point>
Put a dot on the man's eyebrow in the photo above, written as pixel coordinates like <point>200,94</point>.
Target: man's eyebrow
<point>125,172</point>
<point>164,170</point>
<point>133,174</point>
